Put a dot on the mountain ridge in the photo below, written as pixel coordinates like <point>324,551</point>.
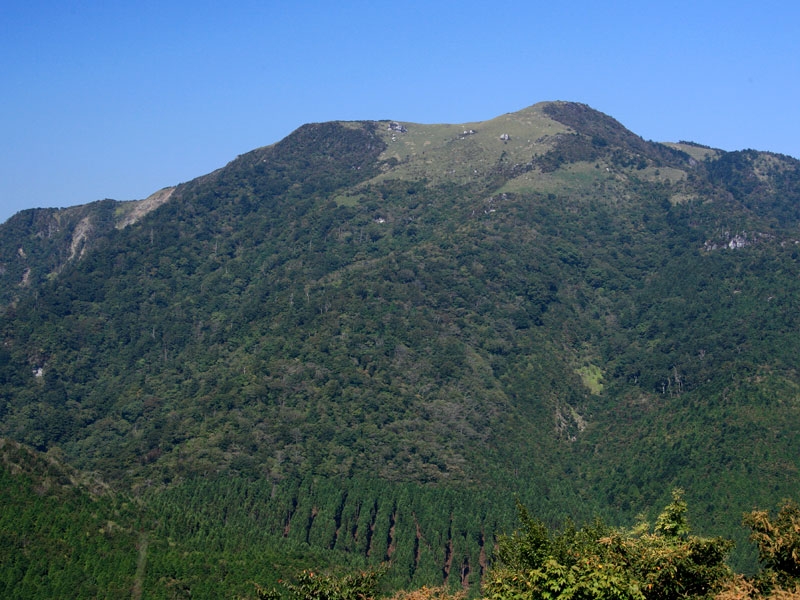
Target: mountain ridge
<point>544,120</point>
<point>541,304</point>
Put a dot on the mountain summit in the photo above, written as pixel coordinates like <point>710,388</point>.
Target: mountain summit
<point>543,303</point>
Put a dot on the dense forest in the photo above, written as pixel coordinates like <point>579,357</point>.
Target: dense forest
<point>67,534</point>
<point>365,344</point>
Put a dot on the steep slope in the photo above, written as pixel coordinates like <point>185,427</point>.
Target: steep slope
<point>544,303</point>
<point>262,245</point>
<point>38,244</point>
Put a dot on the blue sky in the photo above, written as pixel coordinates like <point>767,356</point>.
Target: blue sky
<point>119,99</point>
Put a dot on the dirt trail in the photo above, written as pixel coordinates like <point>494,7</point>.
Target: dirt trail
<point>141,564</point>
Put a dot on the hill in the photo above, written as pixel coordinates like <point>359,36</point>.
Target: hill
<point>542,304</point>
<point>63,533</point>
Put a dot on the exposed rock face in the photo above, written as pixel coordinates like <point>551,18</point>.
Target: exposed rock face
<point>139,208</point>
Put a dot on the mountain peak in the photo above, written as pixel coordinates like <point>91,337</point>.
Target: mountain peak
<point>499,303</point>
<point>582,118</point>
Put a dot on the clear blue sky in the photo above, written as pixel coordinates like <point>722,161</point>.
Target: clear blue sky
<point>119,99</point>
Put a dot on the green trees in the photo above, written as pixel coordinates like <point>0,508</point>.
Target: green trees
<point>318,348</point>
<point>597,561</point>
<point>61,537</point>
<point>310,585</point>
<point>778,541</point>
<point>64,534</point>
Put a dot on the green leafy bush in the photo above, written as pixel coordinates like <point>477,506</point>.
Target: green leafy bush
<point>600,562</point>
<point>778,541</point>
<point>311,585</point>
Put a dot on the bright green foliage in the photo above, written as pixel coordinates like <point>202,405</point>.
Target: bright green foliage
<point>778,541</point>
<point>310,585</point>
<point>599,562</point>
<point>672,522</point>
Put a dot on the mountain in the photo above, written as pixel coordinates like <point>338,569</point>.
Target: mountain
<point>369,318</point>
<point>38,243</point>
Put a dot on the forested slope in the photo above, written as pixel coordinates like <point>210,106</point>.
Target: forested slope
<point>543,304</point>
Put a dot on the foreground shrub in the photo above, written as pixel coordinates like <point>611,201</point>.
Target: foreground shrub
<point>599,562</point>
